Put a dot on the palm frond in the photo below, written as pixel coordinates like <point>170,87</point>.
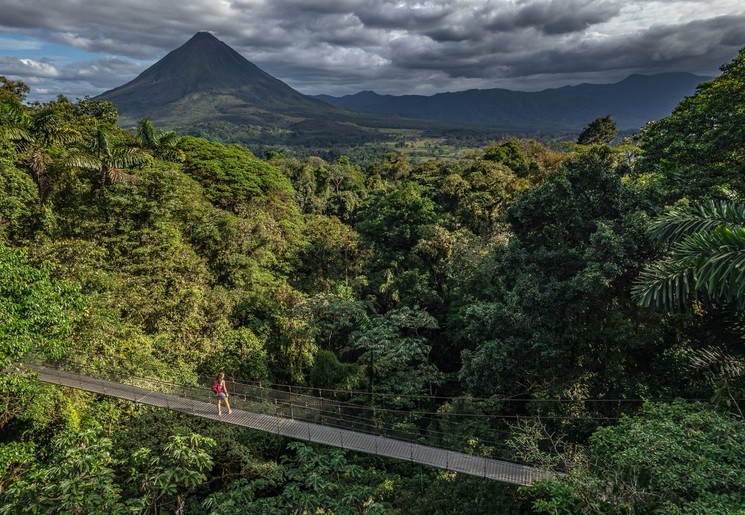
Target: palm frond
<point>82,159</point>
<point>13,113</point>
<point>50,129</point>
<point>665,284</point>
<point>719,361</point>
<point>679,222</point>
<point>146,133</point>
<point>170,153</point>
<point>721,268</point>
<point>122,157</point>
<point>706,263</point>
<point>121,176</point>
<point>15,133</point>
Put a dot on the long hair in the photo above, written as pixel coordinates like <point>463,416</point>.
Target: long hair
<point>220,376</point>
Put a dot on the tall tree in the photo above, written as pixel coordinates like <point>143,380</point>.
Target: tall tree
<point>698,151</point>
<point>107,156</point>
<point>163,145</point>
<point>600,131</point>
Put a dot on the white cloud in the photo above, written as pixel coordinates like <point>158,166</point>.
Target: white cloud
<point>13,66</point>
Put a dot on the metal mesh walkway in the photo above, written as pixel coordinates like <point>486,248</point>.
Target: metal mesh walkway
<point>182,398</point>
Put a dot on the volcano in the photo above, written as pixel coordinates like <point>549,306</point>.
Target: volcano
<point>205,80</point>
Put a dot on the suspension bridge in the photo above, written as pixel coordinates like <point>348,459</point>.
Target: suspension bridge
<point>297,416</point>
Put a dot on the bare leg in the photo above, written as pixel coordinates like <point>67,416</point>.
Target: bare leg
<point>228,405</point>
<point>219,406</point>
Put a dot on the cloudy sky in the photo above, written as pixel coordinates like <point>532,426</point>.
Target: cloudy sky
<point>84,47</point>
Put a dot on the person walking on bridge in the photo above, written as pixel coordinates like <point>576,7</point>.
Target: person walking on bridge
<point>222,394</point>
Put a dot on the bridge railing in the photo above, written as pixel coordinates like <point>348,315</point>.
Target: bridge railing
<point>429,428</point>
<point>481,429</point>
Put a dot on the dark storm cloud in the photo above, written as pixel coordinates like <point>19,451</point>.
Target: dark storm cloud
<point>396,46</point>
<point>691,46</point>
<point>555,16</point>
<point>397,15</point>
<point>101,73</point>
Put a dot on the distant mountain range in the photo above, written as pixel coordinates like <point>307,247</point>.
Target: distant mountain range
<point>205,87</point>
<point>631,102</point>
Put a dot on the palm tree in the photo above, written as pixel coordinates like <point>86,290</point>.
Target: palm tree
<point>706,259</point>
<point>13,119</point>
<point>35,133</point>
<point>162,145</point>
<point>108,157</point>
<point>103,154</point>
<point>47,130</point>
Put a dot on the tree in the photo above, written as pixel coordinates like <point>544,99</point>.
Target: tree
<point>396,354</point>
<point>706,258</point>
<point>37,315</point>
<point>163,145</point>
<point>15,89</point>
<point>552,312</point>
<point>391,226</point>
<point>312,482</point>
<point>106,155</point>
<point>169,474</point>
<point>671,458</point>
<point>698,150</point>
<point>49,134</point>
<point>600,131</point>
<point>511,155</point>
<point>14,119</point>
<point>78,478</point>
<point>331,254</point>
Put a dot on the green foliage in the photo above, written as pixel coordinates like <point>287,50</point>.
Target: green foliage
<point>448,493</point>
<point>397,220</point>
<point>19,204</point>
<point>698,150</point>
<point>706,258</point>
<point>167,475</point>
<point>327,371</point>
<point>396,355</point>
<point>559,319</point>
<point>332,254</point>
<point>600,131</point>
<point>162,145</point>
<point>233,177</point>
<point>14,89</point>
<point>242,353</point>
<point>313,482</point>
<point>510,154</point>
<point>503,272</point>
<point>37,313</point>
<point>78,477</point>
<point>672,458</point>
<point>107,156</point>
<point>392,225</point>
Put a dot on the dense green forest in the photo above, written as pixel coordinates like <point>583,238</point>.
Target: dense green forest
<point>584,300</point>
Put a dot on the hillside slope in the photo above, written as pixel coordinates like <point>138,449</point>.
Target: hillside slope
<point>632,102</point>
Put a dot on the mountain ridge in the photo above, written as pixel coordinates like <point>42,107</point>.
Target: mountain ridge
<point>632,101</point>
<point>206,88</point>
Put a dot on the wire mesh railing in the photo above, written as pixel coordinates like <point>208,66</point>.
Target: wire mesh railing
<point>437,429</point>
<point>289,418</point>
